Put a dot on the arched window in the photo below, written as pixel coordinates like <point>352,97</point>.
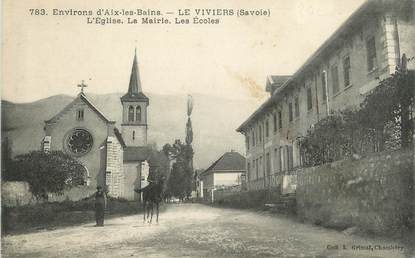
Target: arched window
<point>138,114</point>
<point>86,179</point>
<point>131,114</point>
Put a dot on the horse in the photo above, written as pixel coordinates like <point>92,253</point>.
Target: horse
<point>146,202</point>
<point>152,195</point>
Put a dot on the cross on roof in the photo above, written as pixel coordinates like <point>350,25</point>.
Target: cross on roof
<point>82,86</point>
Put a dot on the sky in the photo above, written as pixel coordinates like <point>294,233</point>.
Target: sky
<point>49,55</point>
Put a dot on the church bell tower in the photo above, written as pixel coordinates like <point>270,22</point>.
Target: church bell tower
<point>134,116</point>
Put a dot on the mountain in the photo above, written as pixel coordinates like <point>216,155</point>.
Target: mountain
<point>214,121</point>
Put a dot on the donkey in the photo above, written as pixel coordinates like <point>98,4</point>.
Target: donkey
<point>152,195</point>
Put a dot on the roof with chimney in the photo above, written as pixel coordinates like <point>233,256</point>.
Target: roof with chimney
<point>135,92</point>
<point>230,162</point>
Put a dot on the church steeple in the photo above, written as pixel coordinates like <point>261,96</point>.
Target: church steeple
<point>135,83</point>
<point>135,103</point>
<point>134,88</point>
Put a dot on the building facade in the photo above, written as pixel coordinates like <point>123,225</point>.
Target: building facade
<point>227,171</point>
<point>110,158</point>
<point>350,63</point>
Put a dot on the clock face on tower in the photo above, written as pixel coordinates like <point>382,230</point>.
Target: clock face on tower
<point>79,142</point>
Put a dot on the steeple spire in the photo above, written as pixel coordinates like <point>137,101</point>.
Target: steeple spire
<point>135,84</point>
<point>134,112</point>
<point>135,92</point>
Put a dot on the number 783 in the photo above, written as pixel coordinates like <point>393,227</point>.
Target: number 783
<point>37,11</point>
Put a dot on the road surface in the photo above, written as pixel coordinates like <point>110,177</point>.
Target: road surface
<point>195,230</point>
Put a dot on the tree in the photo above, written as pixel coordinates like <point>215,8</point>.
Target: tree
<point>159,165</point>
<point>180,181</point>
<point>176,184</point>
<point>46,172</point>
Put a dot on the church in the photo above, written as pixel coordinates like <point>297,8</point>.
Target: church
<point>112,158</point>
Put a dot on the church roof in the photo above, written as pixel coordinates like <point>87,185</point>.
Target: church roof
<point>134,88</point>
<point>136,153</point>
<point>82,97</point>
<point>119,137</point>
<point>229,162</point>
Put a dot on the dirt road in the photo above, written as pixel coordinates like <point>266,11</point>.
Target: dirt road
<point>194,230</point>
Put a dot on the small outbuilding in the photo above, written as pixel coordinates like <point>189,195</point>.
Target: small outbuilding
<point>227,171</point>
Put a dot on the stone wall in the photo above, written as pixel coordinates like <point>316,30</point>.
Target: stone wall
<point>73,194</point>
<point>374,193</point>
<point>114,173</point>
<point>245,199</point>
<point>17,193</point>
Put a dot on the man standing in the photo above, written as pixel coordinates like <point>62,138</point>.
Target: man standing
<point>100,204</point>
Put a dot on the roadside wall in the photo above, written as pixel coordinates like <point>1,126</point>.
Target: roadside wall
<point>246,199</point>
<point>17,193</point>
<point>72,194</point>
<point>374,193</point>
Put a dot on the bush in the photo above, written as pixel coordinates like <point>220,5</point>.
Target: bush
<point>383,122</point>
<point>45,172</point>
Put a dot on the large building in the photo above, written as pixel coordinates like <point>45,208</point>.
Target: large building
<point>350,63</point>
<point>110,158</point>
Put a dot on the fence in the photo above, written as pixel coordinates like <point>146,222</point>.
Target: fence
<point>285,183</point>
<point>275,183</point>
